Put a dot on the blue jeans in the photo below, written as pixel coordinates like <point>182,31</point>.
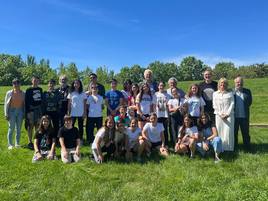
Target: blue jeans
<point>216,143</point>
<point>15,116</point>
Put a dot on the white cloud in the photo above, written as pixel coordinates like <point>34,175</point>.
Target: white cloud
<point>211,60</point>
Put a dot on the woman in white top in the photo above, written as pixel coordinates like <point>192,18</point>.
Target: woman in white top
<point>195,103</point>
<point>95,105</point>
<point>153,136</point>
<point>177,110</point>
<point>223,104</point>
<point>134,142</point>
<point>145,104</point>
<point>162,107</point>
<point>77,105</point>
<point>187,138</point>
<point>104,140</point>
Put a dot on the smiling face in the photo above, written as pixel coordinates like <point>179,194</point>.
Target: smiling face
<point>204,119</point>
<point>207,76</point>
<point>76,85</point>
<point>110,123</point>
<point>222,86</point>
<point>194,89</point>
<point>187,122</point>
<point>238,83</point>
<point>153,119</point>
<point>45,123</point>
<point>174,93</point>
<point>161,86</point>
<point>172,84</point>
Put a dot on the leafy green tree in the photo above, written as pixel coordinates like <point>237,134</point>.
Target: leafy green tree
<point>191,68</point>
<point>84,75</point>
<point>224,69</point>
<point>103,74</point>
<point>10,68</point>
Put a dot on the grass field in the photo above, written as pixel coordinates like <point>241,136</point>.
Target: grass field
<point>240,176</point>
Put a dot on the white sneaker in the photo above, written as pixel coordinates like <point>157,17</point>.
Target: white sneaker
<point>17,146</point>
<point>10,147</point>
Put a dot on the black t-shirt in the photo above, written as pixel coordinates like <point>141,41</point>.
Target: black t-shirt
<point>44,139</point>
<point>51,101</point>
<point>207,91</point>
<point>69,135</point>
<point>63,101</point>
<point>33,98</point>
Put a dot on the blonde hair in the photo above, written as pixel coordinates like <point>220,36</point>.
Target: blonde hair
<point>147,71</point>
<point>225,81</point>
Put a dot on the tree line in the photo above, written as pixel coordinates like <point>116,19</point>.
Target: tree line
<point>190,68</point>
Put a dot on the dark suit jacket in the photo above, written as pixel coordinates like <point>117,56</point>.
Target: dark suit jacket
<point>247,100</point>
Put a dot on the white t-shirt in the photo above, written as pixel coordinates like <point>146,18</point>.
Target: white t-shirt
<point>195,105</point>
<point>100,134</point>
<point>133,136</point>
<point>176,102</point>
<point>161,104</point>
<point>77,103</point>
<point>145,103</point>
<point>154,133</point>
<point>95,105</point>
<point>190,131</point>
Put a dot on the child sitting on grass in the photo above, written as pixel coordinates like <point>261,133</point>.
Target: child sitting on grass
<point>44,141</point>
<point>69,141</point>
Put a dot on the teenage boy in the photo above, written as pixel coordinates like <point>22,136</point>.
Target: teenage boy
<point>113,99</point>
<point>33,108</point>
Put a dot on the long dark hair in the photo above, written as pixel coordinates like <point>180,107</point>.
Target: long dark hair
<point>138,89</point>
<point>80,88</point>
<point>183,128</point>
<point>41,128</point>
<point>200,122</point>
<point>142,91</point>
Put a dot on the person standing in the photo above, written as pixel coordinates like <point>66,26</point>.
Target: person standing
<point>63,92</point>
<point>14,109</point>
<point>51,104</point>
<point>113,99</point>
<point>223,104</point>
<point>207,88</point>
<point>243,101</point>
<point>148,79</point>
<point>33,108</point>
<point>172,83</point>
<point>77,106</point>
<point>94,80</point>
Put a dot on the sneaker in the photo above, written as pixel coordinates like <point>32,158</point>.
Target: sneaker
<point>217,160</point>
<point>30,146</point>
<point>10,147</point>
<point>17,146</point>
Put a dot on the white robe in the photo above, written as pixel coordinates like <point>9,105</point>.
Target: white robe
<point>223,103</point>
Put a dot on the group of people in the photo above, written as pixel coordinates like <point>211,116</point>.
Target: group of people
<point>140,118</point>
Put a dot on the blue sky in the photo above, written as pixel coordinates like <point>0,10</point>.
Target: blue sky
<point>123,33</point>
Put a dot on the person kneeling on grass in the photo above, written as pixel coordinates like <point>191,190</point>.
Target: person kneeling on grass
<point>133,141</point>
<point>187,138</point>
<point>209,136</point>
<point>44,141</point>
<point>119,138</point>
<point>69,141</point>
<point>104,141</point>
<point>153,136</point>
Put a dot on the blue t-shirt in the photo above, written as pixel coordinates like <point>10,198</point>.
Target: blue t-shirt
<point>113,98</point>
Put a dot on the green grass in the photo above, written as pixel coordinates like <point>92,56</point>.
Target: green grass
<point>240,176</point>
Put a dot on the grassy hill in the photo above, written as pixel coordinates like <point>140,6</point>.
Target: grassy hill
<point>240,176</point>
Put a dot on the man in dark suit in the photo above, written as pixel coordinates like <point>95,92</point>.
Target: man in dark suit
<point>243,101</point>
